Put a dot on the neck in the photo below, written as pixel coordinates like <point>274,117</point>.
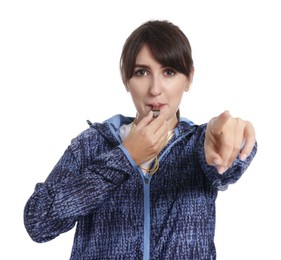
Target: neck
<point>172,123</point>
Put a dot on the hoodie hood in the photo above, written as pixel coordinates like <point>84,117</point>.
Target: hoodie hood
<point>110,128</point>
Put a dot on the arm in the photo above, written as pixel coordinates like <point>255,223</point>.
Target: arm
<point>71,191</point>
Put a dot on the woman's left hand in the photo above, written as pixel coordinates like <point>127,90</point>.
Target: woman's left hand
<point>226,138</point>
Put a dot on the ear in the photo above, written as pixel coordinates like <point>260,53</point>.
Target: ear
<point>127,87</point>
<point>189,80</point>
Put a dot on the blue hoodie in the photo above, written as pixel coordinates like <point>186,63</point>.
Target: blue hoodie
<point>120,212</point>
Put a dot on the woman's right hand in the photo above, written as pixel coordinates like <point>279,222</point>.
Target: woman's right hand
<point>147,138</point>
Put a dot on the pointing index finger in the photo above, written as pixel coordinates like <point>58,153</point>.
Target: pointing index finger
<point>219,122</point>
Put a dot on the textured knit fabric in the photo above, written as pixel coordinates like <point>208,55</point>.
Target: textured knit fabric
<point>120,213</point>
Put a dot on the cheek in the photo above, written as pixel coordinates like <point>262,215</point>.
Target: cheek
<point>137,89</point>
<point>133,86</point>
<point>176,95</point>
<point>136,94</point>
<point>137,98</point>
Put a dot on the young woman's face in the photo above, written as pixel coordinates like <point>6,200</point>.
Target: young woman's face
<point>154,87</point>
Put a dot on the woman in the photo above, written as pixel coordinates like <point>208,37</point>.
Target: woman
<point>144,187</point>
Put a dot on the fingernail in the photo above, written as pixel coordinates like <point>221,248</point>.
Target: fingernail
<point>243,157</point>
<point>221,169</point>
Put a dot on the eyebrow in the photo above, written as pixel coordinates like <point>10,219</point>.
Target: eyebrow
<point>142,66</point>
<point>148,67</point>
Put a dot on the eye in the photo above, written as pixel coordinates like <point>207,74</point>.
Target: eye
<point>170,72</point>
<point>140,72</point>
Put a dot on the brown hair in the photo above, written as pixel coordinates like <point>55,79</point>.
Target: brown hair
<point>168,44</point>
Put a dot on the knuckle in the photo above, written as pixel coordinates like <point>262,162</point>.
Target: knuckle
<point>228,144</point>
<point>236,148</point>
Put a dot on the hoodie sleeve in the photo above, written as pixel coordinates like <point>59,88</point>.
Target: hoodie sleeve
<point>73,190</point>
<point>232,175</point>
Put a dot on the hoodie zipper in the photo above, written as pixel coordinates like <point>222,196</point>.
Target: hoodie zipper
<point>146,179</point>
<point>146,237</point>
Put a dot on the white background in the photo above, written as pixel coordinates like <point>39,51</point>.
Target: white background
<point>59,67</point>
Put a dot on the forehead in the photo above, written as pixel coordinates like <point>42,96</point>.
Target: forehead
<point>145,56</point>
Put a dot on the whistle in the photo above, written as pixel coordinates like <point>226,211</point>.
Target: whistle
<point>156,113</point>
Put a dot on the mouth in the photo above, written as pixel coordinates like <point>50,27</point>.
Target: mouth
<point>156,106</point>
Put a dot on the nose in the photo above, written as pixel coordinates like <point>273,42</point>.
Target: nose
<point>155,86</point>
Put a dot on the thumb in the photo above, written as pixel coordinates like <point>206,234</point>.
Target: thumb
<point>212,157</point>
<point>146,120</point>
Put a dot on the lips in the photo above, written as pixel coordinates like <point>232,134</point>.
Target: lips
<point>156,106</point>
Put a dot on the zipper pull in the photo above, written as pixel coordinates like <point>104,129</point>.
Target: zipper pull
<point>89,123</point>
<point>146,180</point>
